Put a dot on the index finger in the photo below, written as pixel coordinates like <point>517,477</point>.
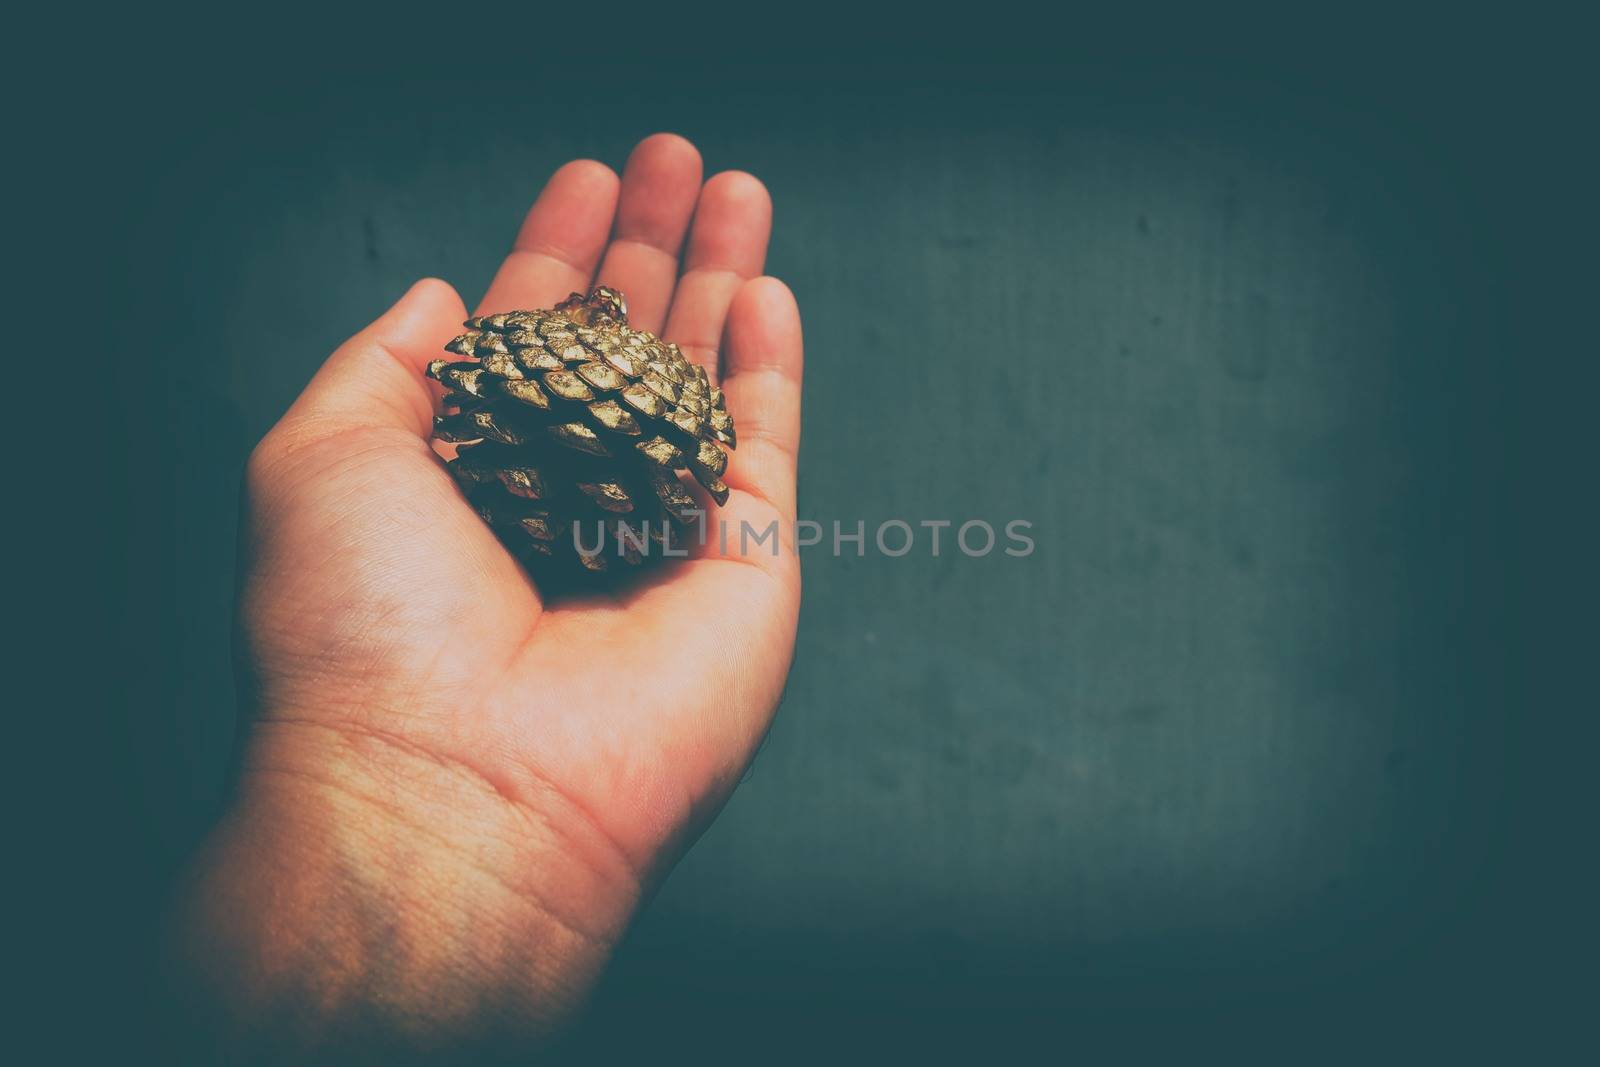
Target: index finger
<point>560,242</point>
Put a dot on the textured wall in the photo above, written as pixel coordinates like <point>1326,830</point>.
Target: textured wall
<point>1215,742</point>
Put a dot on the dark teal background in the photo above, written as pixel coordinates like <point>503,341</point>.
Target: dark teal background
<point>1233,756</point>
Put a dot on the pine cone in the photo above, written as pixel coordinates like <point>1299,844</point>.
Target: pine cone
<point>570,416</point>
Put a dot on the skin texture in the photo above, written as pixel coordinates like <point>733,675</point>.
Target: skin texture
<point>454,795</point>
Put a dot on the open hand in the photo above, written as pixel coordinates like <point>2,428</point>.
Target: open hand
<point>455,794</point>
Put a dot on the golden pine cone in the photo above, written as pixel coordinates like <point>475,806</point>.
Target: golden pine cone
<point>571,416</point>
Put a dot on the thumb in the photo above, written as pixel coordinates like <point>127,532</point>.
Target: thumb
<point>375,379</point>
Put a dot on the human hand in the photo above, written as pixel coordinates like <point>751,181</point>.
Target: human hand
<point>454,794</point>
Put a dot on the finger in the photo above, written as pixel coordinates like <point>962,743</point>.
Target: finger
<point>763,358</point>
<point>659,187</point>
<point>375,379</point>
<point>560,241</point>
<point>727,245</point>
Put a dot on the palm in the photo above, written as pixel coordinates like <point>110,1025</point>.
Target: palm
<point>373,584</point>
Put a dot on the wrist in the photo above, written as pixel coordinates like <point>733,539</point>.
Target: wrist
<point>360,886</point>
